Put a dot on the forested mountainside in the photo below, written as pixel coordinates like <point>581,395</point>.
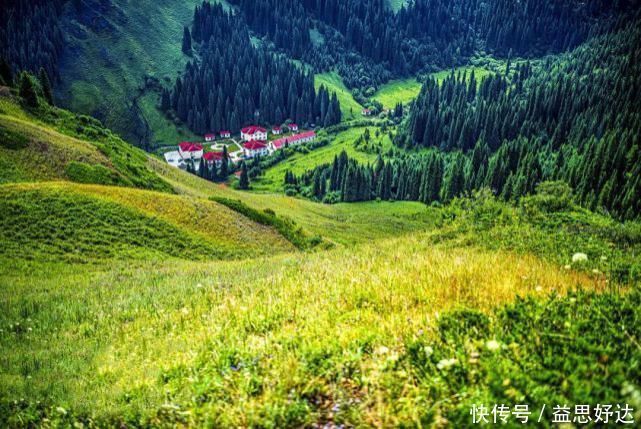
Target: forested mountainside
<point>573,118</point>
<point>235,83</point>
<point>369,43</point>
<point>365,41</point>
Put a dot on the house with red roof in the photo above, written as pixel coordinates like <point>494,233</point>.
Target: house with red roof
<point>213,158</point>
<point>255,148</point>
<point>367,112</point>
<point>210,137</point>
<point>253,133</point>
<point>296,139</point>
<point>225,134</point>
<point>293,127</point>
<point>189,151</point>
<point>277,131</point>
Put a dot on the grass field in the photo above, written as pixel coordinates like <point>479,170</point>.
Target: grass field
<point>396,4</point>
<point>397,91</point>
<point>272,180</point>
<point>349,107</point>
<point>344,224</point>
<point>145,337</point>
<point>81,223</point>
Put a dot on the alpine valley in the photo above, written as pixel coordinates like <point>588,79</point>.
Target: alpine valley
<point>320,213</point>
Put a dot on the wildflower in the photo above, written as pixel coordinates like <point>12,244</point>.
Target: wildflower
<point>446,363</point>
<point>567,267</point>
<point>428,351</point>
<point>538,288</point>
<point>382,350</point>
<point>493,345</point>
<point>579,257</point>
<point>604,258</point>
<point>595,271</point>
<point>61,411</point>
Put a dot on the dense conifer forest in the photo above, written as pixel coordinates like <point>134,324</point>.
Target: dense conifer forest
<point>30,35</point>
<point>236,83</point>
<point>574,118</point>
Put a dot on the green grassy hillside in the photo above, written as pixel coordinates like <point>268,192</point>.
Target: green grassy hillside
<point>372,335</point>
<point>119,53</point>
<point>298,163</point>
<point>349,107</point>
<point>323,326</point>
<point>397,91</point>
<point>50,143</point>
<point>81,223</point>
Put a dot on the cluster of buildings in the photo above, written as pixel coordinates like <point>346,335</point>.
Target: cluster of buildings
<point>254,141</point>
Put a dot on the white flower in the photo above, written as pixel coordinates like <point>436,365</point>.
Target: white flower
<point>604,258</point>
<point>493,345</point>
<point>428,351</point>
<point>579,257</point>
<point>595,271</point>
<point>567,267</point>
<point>382,350</point>
<point>446,363</point>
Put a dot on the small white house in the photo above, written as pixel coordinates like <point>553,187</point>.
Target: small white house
<point>225,134</point>
<point>255,148</point>
<point>253,133</point>
<point>174,159</point>
<point>190,151</point>
<point>210,137</point>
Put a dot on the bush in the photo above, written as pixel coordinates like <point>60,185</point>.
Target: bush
<point>286,227</point>
<point>550,197</point>
<point>97,174</point>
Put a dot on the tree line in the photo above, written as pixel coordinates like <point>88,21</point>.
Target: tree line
<point>574,118</point>
<point>235,83</point>
<point>368,43</point>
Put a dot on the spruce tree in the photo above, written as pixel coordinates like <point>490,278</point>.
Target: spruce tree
<point>5,72</point>
<point>27,90</point>
<point>187,42</point>
<point>45,84</point>
<point>244,177</point>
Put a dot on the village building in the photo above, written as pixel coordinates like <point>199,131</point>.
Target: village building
<point>174,159</point>
<point>225,134</point>
<point>213,158</point>
<point>190,151</point>
<point>277,131</point>
<point>210,137</point>
<point>367,112</point>
<point>253,133</point>
<point>255,148</point>
<point>294,140</point>
<point>293,127</point>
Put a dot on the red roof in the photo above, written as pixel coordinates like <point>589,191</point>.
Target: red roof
<point>224,132</point>
<point>255,145</point>
<point>276,128</point>
<point>213,156</point>
<point>251,130</point>
<point>293,125</point>
<point>293,139</point>
<point>190,147</point>
<point>210,136</point>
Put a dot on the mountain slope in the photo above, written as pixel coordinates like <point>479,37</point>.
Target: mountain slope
<point>50,143</point>
<point>49,222</point>
<point>118,54</point>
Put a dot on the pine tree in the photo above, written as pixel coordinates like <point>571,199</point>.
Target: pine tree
<point>187,42</point>
<point>244,177</point>
<point>27,90</point>
<point>45,84</point>
<point>5,72</point>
